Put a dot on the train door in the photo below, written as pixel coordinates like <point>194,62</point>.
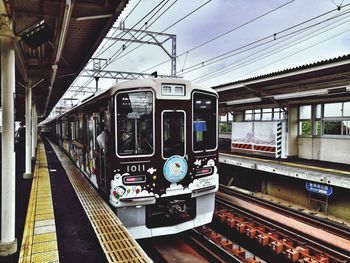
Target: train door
<point>86,141</point>
<point>102,151</point>
<point>173,133</point>
<point>90,148</point>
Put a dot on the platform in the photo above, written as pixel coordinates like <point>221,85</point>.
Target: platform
<point>68,221</point>
<point>334,175</point>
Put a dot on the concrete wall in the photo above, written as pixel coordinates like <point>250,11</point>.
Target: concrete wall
<point>294,191</point>
<point>292,146</point>
<point>324,149</point>
<point>288,189</point>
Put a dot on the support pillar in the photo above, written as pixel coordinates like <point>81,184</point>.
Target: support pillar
<point>8,242</point>
<point>34,131</point>
<point>28,158</point>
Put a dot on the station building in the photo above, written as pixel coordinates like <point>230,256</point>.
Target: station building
<point>290,129</point>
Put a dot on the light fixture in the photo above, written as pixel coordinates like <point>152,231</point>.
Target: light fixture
<point>83,18</point>
<point>243,101</point>
<point>37,34</point>
<point>309,93</point>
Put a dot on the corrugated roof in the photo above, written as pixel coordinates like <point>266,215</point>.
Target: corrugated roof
<point>289,70</point>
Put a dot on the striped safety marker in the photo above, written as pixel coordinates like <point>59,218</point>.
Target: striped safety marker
<point>264,148</point>
<point>279,140</point>
<point>242,146</point>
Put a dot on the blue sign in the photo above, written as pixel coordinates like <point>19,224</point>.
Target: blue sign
<point>175,169</point>
<point>319,188</point>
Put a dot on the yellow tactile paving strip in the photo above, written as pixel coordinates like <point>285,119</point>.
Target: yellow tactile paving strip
<point>302,166</point>
<point>39,243</point>
<point>115,240</point>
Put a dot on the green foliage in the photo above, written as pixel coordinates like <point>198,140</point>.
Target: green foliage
<point>306,127</point>
<point>225,127</point>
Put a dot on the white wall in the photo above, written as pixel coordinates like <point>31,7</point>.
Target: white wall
<point>292,147</point>
<point>324,149</point>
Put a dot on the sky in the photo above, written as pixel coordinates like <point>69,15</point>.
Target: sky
<point>259,37</point>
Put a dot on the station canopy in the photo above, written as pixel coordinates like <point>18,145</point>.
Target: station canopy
<point>317,81</point>
<point>54,41</point>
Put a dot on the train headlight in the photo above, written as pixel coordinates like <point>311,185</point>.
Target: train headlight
<point>203,171</point>
<point>134,179</point>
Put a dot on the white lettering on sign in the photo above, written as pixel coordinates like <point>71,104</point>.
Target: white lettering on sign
<point>136,168</point>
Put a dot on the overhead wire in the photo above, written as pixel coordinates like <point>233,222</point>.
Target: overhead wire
<point>302,50</point>
<point>178,21</point>
<point>133,27</point>
<point>224,34</point>
<point>233,66</point>
<point>89,81</point>
<point>127,16</point>
<point>147,25</point>
<point>273,36</point>
<point>138,22</point>
<point>265,53</point>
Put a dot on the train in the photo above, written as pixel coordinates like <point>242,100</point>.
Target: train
<point>150,148</point>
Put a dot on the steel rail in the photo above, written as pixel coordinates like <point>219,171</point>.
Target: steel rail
<point>333,227</point>
<point>312,242</point>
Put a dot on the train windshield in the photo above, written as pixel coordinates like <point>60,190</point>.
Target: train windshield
<point>204,122</point>
<point>173,133</point>
<point>135,123</point>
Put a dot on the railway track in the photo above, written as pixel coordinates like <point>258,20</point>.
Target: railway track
<point>295,246</point>
<point>337,228</point>
<point>199,245</point>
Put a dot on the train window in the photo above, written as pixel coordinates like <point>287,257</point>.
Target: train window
<point>76,127</point>
<point>173,90</point>
<point>72,130</point>
<point>204,122</point>
<point>173,133</point>
<point>135,123</point>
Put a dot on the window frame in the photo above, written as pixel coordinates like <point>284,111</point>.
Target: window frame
<point>227,122</point>
<point>217,122</point>
<point>273,112</point>
<point>145,89</point>
<point>300,120</point>
<point>322,119</point>
<point>162,132</point>
<point>341,118</point>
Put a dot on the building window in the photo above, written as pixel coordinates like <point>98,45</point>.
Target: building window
<point>346,109</point>
<point>346,128</point>
<point>257,114</point>
<point>332,128</point>
<point>317,123</point>
<point>305,128</point>
<point>305,120</point>
<point>328,119</point>
<point>225,124</point>
<point>248,115</point>
<point>333,109</point>
<point>336,119</point>
<point>264,114</point>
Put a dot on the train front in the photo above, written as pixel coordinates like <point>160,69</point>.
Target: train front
<point>165,169</point>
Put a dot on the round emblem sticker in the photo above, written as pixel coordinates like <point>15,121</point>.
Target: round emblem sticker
<point>175,169</point>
